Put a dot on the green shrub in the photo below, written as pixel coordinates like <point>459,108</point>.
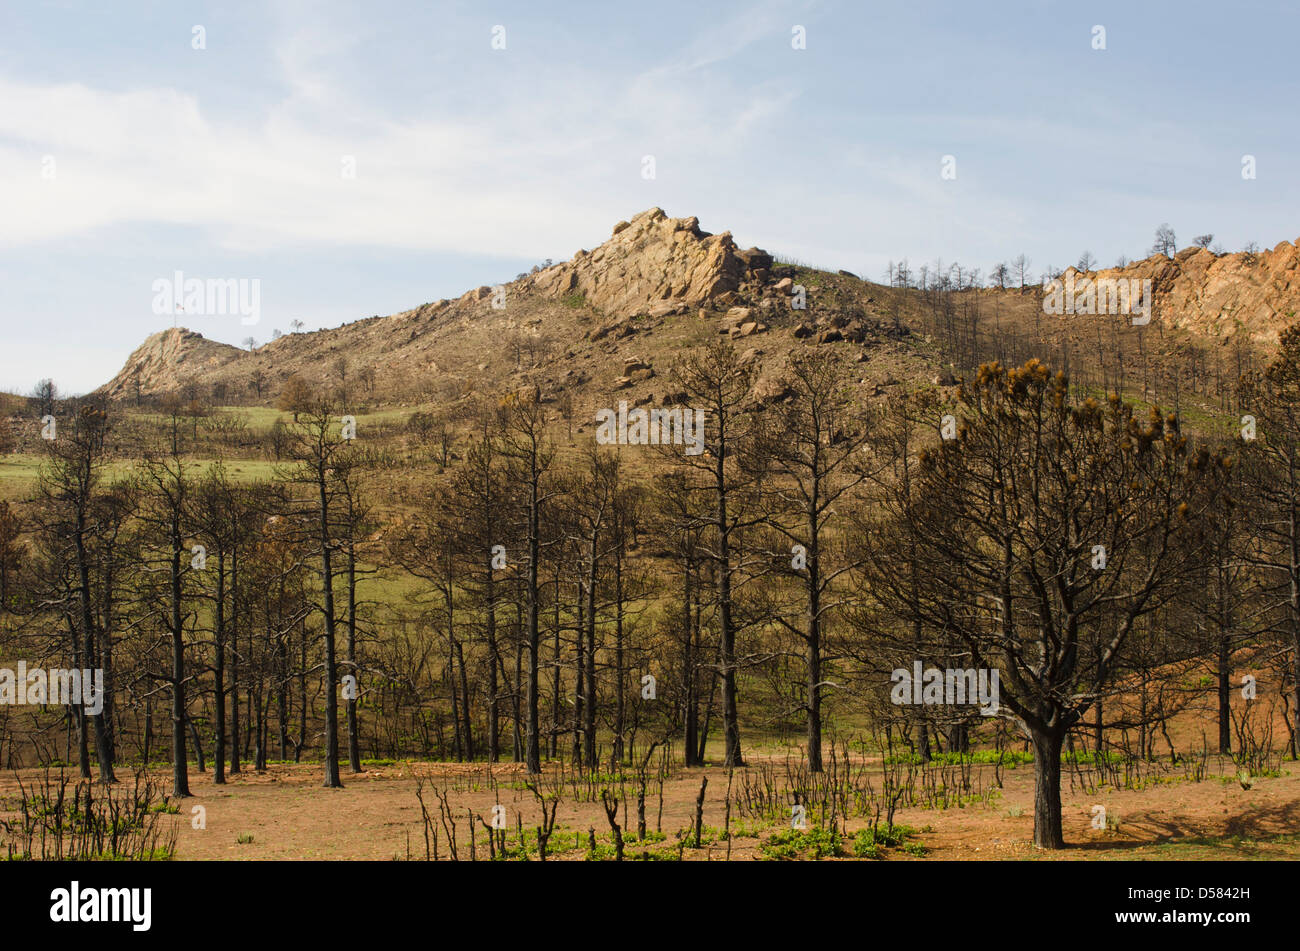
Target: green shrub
<point>816,843</point>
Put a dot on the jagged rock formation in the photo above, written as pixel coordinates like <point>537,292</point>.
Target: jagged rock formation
<point>168,359</point>
<point>655,265</point>
<point>1221,295</point>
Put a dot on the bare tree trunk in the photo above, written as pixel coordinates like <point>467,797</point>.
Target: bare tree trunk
<point>332,778</point>
<point>589,704</point>
<point>180,767</point>
<point>813,639</point>
<point>553,743</point>
<point>283,679</point>
<point>1225,693</point>
<point>1047,790</point>
<point>301,745</point>
<point>219,675</point>
<point>79,713</point>
<point>620,678</point>
<point>354,737</point>
<point>689,663</point>
<point>234,661</point>
<point>534,752</point>
<point>102,751</point>
<point>494,658</point>
<point>518,688</point>
<point>579,674</point>
<point>730,714</point>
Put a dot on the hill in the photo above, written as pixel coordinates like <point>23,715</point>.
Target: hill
<point>606,323</point>
<point>608,320</point>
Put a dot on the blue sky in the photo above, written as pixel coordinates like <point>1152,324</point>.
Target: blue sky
<point>126,154</point>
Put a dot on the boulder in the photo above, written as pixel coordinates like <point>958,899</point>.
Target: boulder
<point>755,258</point>
<point>618,329</point>
<point>769,390</point>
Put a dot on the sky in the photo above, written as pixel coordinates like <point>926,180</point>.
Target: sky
<point>351,159</point>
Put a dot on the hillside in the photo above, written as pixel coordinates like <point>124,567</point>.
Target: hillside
<point>167,361</point>
<point>611,319</point>
<point>608,320</point>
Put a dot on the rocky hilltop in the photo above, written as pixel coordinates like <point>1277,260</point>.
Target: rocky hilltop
<point>656,265</point>
<point>1220,295</point>
<point>167,360</point>
<point>652,268</point>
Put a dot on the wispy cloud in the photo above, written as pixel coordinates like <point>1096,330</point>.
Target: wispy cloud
<point>493,183</point>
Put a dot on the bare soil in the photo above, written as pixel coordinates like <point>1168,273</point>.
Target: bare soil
<point>286,813</point>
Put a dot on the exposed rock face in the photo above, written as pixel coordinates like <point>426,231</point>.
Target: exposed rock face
<point>1221,295</point>
<point>166,360</point>
<point>653,264</point>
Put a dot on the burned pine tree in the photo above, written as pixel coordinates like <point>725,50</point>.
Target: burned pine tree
<point>1042,532</point>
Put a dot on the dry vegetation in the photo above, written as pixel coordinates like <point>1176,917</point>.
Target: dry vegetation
<point>352,616</point>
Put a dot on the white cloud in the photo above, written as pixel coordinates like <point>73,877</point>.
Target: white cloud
<point>541,169</point>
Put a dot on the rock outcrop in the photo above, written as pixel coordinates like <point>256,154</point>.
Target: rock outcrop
<point>1221,295</point>
<point>166,360</point>
<point>654,265</point>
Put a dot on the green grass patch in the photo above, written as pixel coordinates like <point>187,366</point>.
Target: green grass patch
<point>792,844</point>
